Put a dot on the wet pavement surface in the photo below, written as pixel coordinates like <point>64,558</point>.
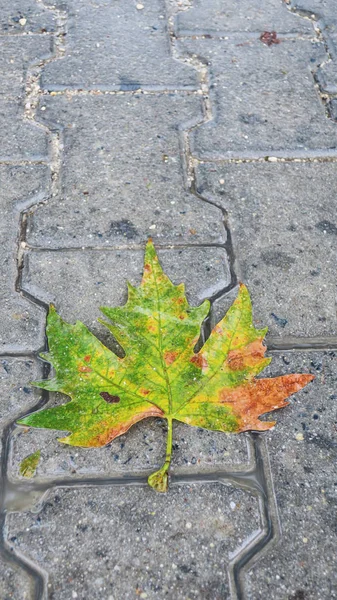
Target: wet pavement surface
<point>210,126</point>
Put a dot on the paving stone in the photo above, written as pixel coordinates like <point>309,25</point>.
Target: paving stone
<point>303,452</point>
<point>22,322</point>
<point>20,140</point>
<point>25,16</point>
<point>284,233</point>
<point>14,583</point>
<point>97,278</point>
<point>17,54</point>
<point>127,542</point>
<point>270,111</point>
<point>114,46</point>
<point>221,16</point>
<point>324,12</point>
<point>121,175</point>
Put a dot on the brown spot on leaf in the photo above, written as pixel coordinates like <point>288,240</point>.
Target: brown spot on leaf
<point>84,369</point>
<point>144,391</point>
<point>245,357</point>
<point>235,360</point>
<point>170,356</point>
<point>200,361</point>
<point>87,358</point>
<point>147,268</point>
<point>182,317</point>
<point>109,398</point>
<point>269,38</point>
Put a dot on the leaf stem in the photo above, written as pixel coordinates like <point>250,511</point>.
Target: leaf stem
<point>159,479</point>
<point>169,442</point>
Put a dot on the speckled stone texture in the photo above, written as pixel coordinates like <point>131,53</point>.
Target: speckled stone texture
<point>251,16</point>
<point>272,110</point>
<point>303,452</point>
<point>22,321</point>
<point>284,229</point>
<point>124,542</point>
<point>123,174</point>
<point>122,48</point>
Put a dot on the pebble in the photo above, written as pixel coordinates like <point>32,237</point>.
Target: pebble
<point>299,437</point>
<point>22,21</point>
<point>272,159</point>
<point>188,525</point>
<point>139,6</point>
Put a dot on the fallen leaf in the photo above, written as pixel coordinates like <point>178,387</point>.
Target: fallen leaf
<point>29,464</point>
<point>269,38</point>
<point>160,375</point>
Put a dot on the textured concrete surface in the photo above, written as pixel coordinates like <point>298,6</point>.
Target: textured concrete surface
<point>22,322</point>
<point>122,174</point>
<point>133,50</point>
<point>239,16</point>
<point>284,210</point>
<point>303,456</point>
<point>266,111</point>
<point>125,542</point>
<point>211,127</point>
<point>25,16</point>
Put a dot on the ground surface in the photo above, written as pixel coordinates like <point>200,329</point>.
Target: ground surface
<point>122,120</point>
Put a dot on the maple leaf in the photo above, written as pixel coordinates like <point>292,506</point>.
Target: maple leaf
<point>160,375</point>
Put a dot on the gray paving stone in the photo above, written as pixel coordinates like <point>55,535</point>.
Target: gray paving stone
<point>20,140</point>
<point>15,584</point>
<point>117,543</point>
<point>270,111</point>
<point>324,13</point>
<point>112,45</point>
<point>17,53</point>
<point>221,16</point>
<point>22,322</point>
<point>97,278</point>
<point>284,233</point>
<point>303,452</point>
<point>25,16</point>
<point>322,10</point>
<point>121,175</point>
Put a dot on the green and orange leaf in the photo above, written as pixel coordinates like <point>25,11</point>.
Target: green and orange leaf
<point>160,375</point>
